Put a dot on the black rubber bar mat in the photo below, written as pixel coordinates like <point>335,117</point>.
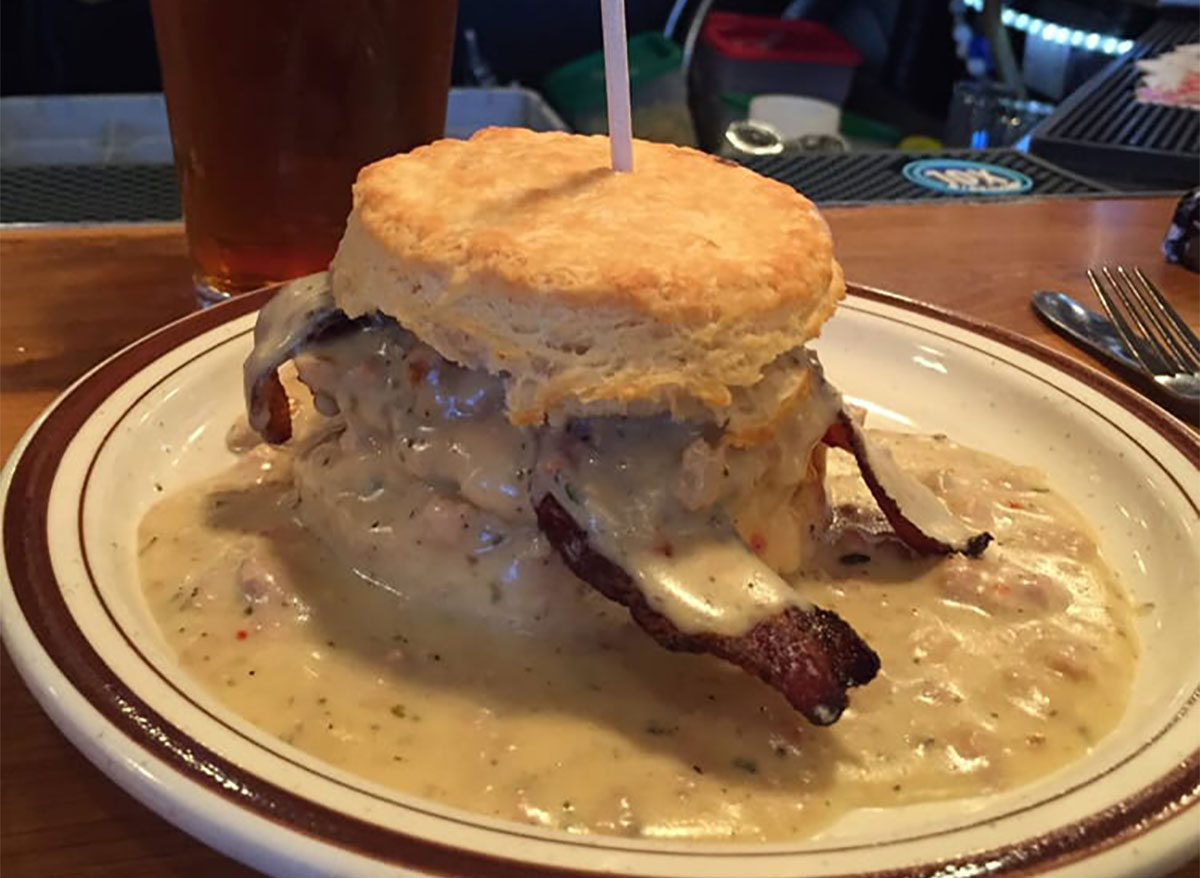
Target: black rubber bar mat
<point>1101,130</point>
<point>897,175</point>
<point>136,193</point>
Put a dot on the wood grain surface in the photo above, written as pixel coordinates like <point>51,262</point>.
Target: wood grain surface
<point>70,297</point>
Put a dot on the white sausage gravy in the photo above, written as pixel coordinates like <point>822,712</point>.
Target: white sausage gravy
<point>421,632</point>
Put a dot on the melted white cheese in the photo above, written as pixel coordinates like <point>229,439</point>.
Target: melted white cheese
<point>712,585</point>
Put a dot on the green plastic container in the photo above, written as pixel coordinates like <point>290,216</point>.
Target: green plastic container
<point>658,93</point>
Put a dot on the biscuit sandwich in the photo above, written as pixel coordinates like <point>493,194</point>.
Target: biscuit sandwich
<point>610,365</point>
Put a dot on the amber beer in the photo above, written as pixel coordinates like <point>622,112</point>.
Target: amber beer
<point>274,105</point>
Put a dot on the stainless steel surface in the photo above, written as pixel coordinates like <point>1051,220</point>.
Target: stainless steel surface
<point>132,129</point>
<point>107,158</point>
<point>1177,333</point>
<point>1086,328</point>
<point>1129,304</point>
<point>470,109</point>
<point>1099,336</point>
<point>84,130</point>
<point>747,137</point>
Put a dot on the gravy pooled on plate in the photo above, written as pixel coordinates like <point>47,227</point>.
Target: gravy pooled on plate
<point>481,674</point>
<point>536,373</point>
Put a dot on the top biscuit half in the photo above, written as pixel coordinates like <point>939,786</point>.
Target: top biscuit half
<point>592,292</point>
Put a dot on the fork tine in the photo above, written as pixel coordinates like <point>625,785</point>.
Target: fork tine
<point>1182,332</point>
<point>1133,310</point>
<point>1118,319</point>
<point>1152,327</point>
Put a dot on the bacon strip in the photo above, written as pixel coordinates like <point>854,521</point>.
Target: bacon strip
<point>918,517</point>
<point>810,656</point>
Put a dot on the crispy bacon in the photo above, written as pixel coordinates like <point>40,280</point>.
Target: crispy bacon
<point>928,530</point>
<point>271,397</point>
<point>811,655</point>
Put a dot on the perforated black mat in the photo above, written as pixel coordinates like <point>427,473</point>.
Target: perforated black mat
<point>1103,131</point>
<point>136,193</point>
<point>879,176</point>
<point>88,193</point>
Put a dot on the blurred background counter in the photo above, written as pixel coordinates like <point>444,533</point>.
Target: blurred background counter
<point>850,101</point>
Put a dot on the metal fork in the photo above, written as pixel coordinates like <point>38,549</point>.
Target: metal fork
<point>1162,343</point>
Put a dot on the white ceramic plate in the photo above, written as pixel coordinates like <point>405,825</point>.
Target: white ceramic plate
<point>153,418</point>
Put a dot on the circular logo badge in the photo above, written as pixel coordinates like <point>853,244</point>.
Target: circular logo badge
<point>962,177</point>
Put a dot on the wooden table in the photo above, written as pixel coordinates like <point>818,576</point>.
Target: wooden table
<point>71,297</point>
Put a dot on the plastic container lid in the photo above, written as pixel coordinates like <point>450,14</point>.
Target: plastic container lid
<point>579,85</point>
<point>796,115</point>
<point>762,38</point>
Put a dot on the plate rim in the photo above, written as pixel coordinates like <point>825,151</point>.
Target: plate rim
<point>35,460</point>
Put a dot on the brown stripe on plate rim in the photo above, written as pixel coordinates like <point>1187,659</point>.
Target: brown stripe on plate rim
<point>1159,418</point>
<point>41,602</point>
<point>811,851</point>
<point>183,694</point>
<point>607,844</point>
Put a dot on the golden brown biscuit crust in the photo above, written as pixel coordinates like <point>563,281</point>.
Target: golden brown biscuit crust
<point>595,292</point>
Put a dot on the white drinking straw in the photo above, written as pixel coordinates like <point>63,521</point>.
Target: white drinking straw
<point>616,78</point>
